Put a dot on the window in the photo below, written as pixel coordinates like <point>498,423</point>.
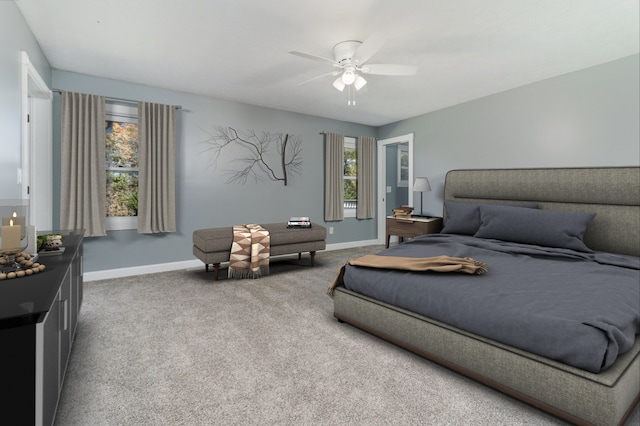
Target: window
<point>121,139</point>
<point>403,165</point>
<point>350,177</point>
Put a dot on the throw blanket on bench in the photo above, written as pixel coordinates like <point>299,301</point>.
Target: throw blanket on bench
<point>249,256</point>
<point>418,264</point>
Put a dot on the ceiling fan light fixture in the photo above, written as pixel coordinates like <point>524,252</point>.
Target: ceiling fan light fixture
<point>348,76</point>
<point>351,60</point>
<point>359,82</point>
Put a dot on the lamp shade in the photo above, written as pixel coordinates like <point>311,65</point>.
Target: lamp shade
<point>421,184</point>
<point>338,84</point>
<point>359,83</point>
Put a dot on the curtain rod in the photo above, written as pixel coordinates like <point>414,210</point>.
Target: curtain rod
<point>118,99</point>
<point>346,136</point>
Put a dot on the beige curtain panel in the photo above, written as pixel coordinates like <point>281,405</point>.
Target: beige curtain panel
<point>366,151</point>
<point>83,174</point>
<point>156,181</point>
<point>334,177</point>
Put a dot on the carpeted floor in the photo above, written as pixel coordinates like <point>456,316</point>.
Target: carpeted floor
<point>178,348</point>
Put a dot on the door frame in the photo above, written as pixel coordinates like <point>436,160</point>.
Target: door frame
<point>36,146</point>
<point>382,179</point>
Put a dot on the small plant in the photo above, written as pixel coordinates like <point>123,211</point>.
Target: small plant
<point>50,241</point>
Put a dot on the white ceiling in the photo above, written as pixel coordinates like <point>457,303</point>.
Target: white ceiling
<point>238,49</point>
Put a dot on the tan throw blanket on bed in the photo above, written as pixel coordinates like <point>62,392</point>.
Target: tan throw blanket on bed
<point>249,256</point>
<point>418,264</point>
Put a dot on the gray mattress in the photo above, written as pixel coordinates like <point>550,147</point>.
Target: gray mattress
<point>581,309</point>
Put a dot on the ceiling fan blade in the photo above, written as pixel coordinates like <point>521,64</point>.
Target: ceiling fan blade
<point>332,73</point>
<point>389,69</point>
<point>312,57</point>
<point>368,48</point>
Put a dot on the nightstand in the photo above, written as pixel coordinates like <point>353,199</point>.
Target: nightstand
<point>411,227</point>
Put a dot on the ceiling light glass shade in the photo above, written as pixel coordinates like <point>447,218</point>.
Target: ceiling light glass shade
<point>359,83</point>
<point>348,76</point>
<point>338,84</point>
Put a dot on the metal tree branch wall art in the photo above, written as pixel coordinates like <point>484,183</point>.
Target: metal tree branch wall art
<point>257,147</point>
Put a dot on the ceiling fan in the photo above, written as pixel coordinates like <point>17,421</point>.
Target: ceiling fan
<point>350,59</point>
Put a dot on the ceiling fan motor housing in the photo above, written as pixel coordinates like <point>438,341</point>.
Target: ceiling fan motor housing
<point>343,51</point>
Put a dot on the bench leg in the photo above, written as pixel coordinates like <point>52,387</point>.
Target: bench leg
<point>216,269</point>
<point>313,257</point>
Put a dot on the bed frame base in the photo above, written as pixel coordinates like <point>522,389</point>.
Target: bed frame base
<point>595,403</point>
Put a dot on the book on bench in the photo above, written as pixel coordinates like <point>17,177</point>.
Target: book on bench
<point>299,222</point>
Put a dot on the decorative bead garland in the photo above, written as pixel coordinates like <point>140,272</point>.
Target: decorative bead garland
<point>27,267</point>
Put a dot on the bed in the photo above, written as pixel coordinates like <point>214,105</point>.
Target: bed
<point>507,218</point>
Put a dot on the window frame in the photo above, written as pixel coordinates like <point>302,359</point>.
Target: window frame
<point>124,113</point>
<point>350,142</point>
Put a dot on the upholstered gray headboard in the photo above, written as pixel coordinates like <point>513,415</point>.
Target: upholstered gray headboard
<point>613,193</point>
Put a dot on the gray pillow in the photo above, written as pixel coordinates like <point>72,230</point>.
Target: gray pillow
<point>548,228</point>
<point>464,218</point>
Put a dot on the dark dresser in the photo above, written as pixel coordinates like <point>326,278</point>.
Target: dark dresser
<point>38,318</point>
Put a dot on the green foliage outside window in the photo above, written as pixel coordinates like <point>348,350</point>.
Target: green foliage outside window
<point>122,163</point>
<point>122,194</point>
<point>350,169</point>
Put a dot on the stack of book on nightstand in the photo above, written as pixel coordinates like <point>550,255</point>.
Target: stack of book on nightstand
<point>402,212</point>
<point>299,222</point>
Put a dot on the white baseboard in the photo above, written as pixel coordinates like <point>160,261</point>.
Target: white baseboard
<point>140,270</point>
<point>187,264</point>
<point>352,244</point>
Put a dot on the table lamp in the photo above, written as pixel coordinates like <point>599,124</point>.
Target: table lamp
<point>421,185</point>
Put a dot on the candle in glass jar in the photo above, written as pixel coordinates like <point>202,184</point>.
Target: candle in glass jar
<point>11,237</point>
<point>17,220</point>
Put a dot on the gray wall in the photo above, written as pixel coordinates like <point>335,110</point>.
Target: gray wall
<point>15,36</point>
<point>586,118</point>
<point>204,198</point>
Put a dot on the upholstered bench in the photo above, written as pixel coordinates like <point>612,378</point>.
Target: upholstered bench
<point>213,245</point>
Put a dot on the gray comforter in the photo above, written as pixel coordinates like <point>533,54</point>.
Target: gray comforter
<point>582,309</point>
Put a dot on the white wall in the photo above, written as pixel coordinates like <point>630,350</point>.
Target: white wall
<point>585,118</point>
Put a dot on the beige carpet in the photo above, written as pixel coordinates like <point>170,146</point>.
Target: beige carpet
<point>181,349</point>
